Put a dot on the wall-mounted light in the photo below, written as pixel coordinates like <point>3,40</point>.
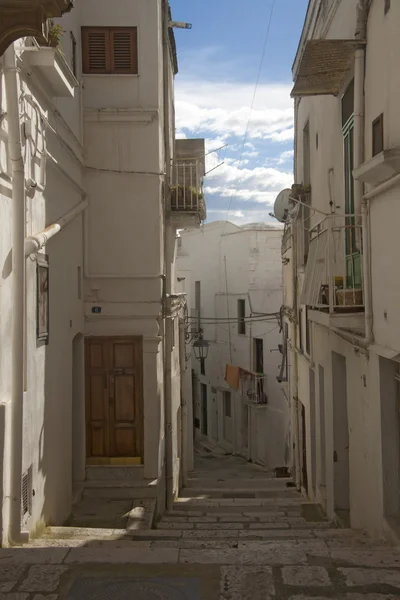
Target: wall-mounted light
<point>200,348</point>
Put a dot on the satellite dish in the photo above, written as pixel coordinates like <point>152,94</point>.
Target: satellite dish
<point>282,205</point>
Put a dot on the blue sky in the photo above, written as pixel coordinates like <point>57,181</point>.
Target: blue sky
<point>218,65</point>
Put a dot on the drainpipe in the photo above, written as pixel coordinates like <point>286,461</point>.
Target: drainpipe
<point>294,384</point>
<point>18,294</point>
<point>361,203</point>
<point>34,243</point>
<point>295,378</point>
<point>169,466</point>
<point>184,406</point>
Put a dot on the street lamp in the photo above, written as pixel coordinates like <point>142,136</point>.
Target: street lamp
<point>200,348</point>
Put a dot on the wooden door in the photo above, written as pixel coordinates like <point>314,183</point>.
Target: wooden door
<point>114,404</point>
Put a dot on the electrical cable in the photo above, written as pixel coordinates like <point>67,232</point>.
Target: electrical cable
<point>252,106</point>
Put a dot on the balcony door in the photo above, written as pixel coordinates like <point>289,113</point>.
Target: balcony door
<point>353,262</point>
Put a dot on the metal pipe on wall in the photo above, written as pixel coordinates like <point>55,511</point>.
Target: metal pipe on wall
<point>18,293</point>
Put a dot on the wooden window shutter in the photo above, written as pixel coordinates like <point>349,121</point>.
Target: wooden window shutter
<point>124,53</point>
<point>96,50</point>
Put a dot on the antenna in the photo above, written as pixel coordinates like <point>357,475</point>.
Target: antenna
<point>180,25</point>
<point>282,205</point>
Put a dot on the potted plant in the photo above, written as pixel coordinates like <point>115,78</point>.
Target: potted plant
<point>54,34</point>
<point>183,194</point>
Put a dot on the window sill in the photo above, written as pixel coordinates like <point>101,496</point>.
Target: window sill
<point>380,168</point>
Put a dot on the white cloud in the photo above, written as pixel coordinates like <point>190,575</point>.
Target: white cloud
<point>283,136</point>
<point>223,109</point>
<point>260,184</point>
<point>243,217</point>
<point>251,153</point>
<point>285,156</point>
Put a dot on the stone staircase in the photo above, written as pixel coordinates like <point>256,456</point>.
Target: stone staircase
<point>216,512</point>
<point>247,537</point>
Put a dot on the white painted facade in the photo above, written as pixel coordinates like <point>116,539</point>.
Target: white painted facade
<point>231,264</point>
<point>342,374</point>
<point>104,143</point>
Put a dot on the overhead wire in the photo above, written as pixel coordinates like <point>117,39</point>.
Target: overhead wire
<point>252,105</point>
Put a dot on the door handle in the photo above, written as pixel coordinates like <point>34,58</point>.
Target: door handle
<point>335,456</point>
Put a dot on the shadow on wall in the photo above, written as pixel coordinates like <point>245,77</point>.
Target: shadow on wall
<point>62,439</point>
<point>2,464</point>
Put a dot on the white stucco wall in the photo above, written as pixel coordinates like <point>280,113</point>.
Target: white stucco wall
<point>47,427</point>
<point>248,263</point>
<point>370,387</point>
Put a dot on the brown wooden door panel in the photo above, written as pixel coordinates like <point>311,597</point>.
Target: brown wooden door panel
<point>114,397</point>
<point>97,402</point>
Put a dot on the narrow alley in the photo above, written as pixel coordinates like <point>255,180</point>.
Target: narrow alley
<point>235,533</point>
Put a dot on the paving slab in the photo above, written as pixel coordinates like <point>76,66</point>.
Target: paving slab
<point>344,596</point>
<point>43,578</point>
<point>246,583</point>
<point>32,556</point>
<point>367,577</point>
<point>388,557</point>
<point>273,555</point>
<point>122,555</point>
<point>306,576</point>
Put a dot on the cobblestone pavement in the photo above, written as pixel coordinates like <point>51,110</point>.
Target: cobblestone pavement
<point>235,534</point>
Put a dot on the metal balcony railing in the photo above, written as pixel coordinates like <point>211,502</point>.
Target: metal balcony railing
<point>253,387</point>
<point>187,194</point>
<point>333,276</point>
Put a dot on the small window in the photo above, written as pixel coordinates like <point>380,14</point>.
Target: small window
<point>110,50</point>
<point>241,313</point>
<point>348,103</point>
<point>73,54</point>
<point>203,366</point>
<point>387,6</point>
<point>308,334</point>
<point>42,278</point>
<point>227,404</point>
<point>197,299</point>
<point>300,324</point>
<point>377,136</point>
<point>79,276</point>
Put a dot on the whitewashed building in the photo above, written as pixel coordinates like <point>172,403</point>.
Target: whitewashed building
<point>92,192</point>
<point>341,289</point>
<point>233,279</point>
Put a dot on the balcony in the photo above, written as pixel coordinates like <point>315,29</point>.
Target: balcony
<point>253,387</point>
<point>52,67</point>
<point>23,18</point>
<point>188,207</point>
<point>333,282</point>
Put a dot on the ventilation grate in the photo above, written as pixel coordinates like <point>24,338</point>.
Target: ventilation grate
<point>26,494</point>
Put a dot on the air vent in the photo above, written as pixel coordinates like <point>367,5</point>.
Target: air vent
<point>26,501</point>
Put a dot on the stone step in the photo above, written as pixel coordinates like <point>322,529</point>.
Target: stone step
<point>235,494</point>
<point>240,504</point>
<point>114,472</point>
<point>119,489</point>
<point>239,484</point>
<point>218,526</point>
<point>233,518</point>
<point>311,545</point>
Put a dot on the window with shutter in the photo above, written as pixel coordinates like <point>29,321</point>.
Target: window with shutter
<point>110,50</point>
<point>124,50</point>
